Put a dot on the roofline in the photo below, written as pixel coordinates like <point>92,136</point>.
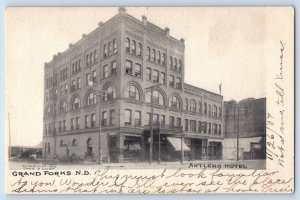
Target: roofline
<point>203,90</point>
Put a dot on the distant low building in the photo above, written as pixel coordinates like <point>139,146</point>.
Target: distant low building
<point>245,129</point>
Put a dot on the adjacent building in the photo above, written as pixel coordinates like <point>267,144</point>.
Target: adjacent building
<point>101,92</point>
<point>245,129</point>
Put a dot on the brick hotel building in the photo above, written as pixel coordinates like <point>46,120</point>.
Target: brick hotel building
<point>98,101</point>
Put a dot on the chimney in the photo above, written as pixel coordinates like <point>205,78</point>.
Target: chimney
<point>167,31</point>
<point>83,35</point>
<point>100,23</point>
<point>144,19</point>
<point>122,10</point>
<point>182,40</point>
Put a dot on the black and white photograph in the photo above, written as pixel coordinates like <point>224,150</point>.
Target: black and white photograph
<point>147,88</point>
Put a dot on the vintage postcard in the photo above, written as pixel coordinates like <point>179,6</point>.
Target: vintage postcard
<point>149,100</point>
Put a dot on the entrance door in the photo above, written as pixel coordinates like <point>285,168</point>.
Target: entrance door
<point>112,148</point>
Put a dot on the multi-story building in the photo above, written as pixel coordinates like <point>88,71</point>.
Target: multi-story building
<point>98,96</point>
<point>245,129</point>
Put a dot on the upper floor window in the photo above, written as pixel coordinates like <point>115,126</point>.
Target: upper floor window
<point>200,107</point>
<point>133,47</point>
<point>175,64</point>
<point>215,110</point>
<point>112,115</point>
<point>127,117</point>
<point>220,111</point>
<point>63,107</point>
<point>91,99</point>
<point>132,92</point>
<point>153,55</point>
<point>128,67</point>
<point>109,48</point>
<point>139,49</point>
<point>209,109</point>
<point>104,118</point>
<point>163,59</point>
<point>158,57</point>
<point>78,82</point>
<point>157,97</point>
<point>205,108</point>
<point>113,67</point>
<point>171,62</point>
<point>171,121</point>
<point>178,83</point>
<point>110,93</point>
<point>171,82</point>
<point>186,104</point>
<point>114,46</point>
<point>193,105</point>
<point>155,76</point>
<point>94,76</point>
<point>148,53</point>
<point>127,44</point>
<point>174,102</point>
<point>105,51</point>
<point>137,70</point>
<point>162,78</point>
<point>105,71</point>
<point>137,118</point>
<point>76,103</point>
<point>179,65</point>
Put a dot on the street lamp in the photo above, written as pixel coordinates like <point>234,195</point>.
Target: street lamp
<point>151,127</point>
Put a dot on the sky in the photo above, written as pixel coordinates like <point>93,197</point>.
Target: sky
<point>222,46</point>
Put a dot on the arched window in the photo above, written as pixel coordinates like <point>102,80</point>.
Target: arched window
<point>175,63</point>
<point>133,47</point>
<point>114,46</point>
<point>163,59</point>
<point>132,92</point>
<point>171,62</point>
<point>148,53</point>
<point>158,57</point>
<point>174,102</point>
<point>139,49</point>
<point>109,48</point>
<point>127,44</point>
<point>110,93</point>
<point>192,105</point>
<point>158,98</point>
<point>91,99</point>
<point>95,56</point>
<point>76,103</point>
<point>186,104</point>
<point>91,58</point>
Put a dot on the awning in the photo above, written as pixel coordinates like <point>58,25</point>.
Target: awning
<point>176,143</point>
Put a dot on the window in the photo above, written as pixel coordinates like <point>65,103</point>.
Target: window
<point>179,66</point>
<point>148,118</point>
<point>63,107</point>
<point>158,57</point>
<point>171,62</point>
<point>200,107</point>
<point>148,74</point>
<point>209,128</point>
<point>205,127</point>
<point>76,103</point>
<point>220,112</point>
<point>95,56</point>
<point>162,119</point>
<point>171,82</point>
<point>127,44</point>
<point>74,142</point>
<point>137,118</point>
<point>93,121</point>
<point>193,126</point>
<point>77,122</point>
<point>59,127</point>
<point>155,118</point>
<point>91,59</point>
<point>66,88</point>
<point>91,99</point>
<point>171,121</point>
<point>64,125</point>
<point>205,108</point>
<point>178,83</point>
<point>178,121</point>
<point>215,110</point>
<point>128,67</point>
<point>175,64</point>
<point>87,121</point>
<point>157,97</point>
<point>104,118</point>
<point>162,78</point>
<point>105,51</point>
<point>72,123</point>
<point>78,83</point>
<point>112,115</point>
<point>139,49</point>
<point>155,76</point>
<point>127,117</point>
<point>109,48</point>
<point>114,46</point>
<point>73,85</point>
<point>215,126</point>
<point>113,67</point>
<point>133,47</point>
<point>199,126</point>
<point>174,102</point>
<point>88,79</point>
<point>105,71</point>
<point>209,109</point>
<point>163,59</point>
<point>153,55</point>
<point>148,53</point>
<point>132,92</point>
<point>110,93</point>
<point>61,90</point>
<point>94,76</point>
<point>137,70</point>
<point>192,105</point>
<point>186,104</point>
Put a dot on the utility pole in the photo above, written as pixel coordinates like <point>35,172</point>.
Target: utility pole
<point>238,133</point>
